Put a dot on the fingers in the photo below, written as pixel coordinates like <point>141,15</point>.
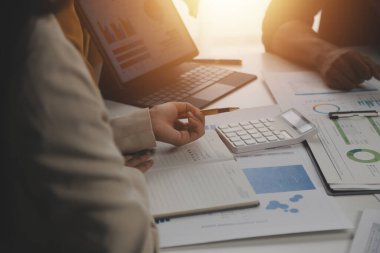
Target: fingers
<point>196,126</point>
<point>375,68</point>
<point>184,107</point>
<point>140,162</point>
<point>348,69</point>
<point>168,127</point>
<point>144,167</point>
<point>362,69</point>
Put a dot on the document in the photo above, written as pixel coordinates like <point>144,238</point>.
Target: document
<point>291,197</point>
<point>199,177</point>
<point>367,235</point>
<point>347,150</point>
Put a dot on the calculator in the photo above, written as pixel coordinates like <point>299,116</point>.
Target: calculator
<point>287,128</point>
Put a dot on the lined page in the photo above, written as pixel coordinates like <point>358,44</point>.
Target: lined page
<point>209,148</point>
<point>193,189</point>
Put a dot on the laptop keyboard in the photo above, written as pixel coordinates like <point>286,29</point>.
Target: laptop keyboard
<point>186,85</point>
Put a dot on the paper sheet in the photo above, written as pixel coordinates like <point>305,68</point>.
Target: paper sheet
<point>198,177</point>
<point>209,148</point>
<point>292,199</point>
<point>348,150</point>
<point>205,187</point>
<point>367,235</point>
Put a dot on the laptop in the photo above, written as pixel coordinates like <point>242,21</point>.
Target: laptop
<point>148,51</point>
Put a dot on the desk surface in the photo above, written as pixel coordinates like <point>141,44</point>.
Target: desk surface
<point>257,94</point>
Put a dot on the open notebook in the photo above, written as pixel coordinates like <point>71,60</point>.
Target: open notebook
<point>196,178</point>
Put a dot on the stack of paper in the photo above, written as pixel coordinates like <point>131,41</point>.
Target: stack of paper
<point>346,150</point>
<point>196,178</point>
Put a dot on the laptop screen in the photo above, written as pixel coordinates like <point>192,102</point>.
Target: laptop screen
<point>137,36</point>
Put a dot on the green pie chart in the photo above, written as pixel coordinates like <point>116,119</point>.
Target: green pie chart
<point>364,155</point>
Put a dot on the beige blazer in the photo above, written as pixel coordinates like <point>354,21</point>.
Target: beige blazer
<point>70,191</point>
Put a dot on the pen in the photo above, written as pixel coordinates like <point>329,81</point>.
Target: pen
<point>218,61</point>
<point>347,114</point>
<point>218,110</point>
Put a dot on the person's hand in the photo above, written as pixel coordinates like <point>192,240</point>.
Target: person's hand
<point>168,127</point>
<point>142,162</point>
<point>345,69</point>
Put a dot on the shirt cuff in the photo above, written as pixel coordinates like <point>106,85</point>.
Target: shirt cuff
<point>133,132</point>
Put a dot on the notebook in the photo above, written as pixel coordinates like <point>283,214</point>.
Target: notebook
<point>199,177</point>
<point>147,51</point>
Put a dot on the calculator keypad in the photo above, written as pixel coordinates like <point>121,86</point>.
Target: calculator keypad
<point>252,132</point>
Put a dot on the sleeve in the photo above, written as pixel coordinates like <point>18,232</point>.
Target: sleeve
<point>280,12</point>
<point>133,132</point>
<point>75,173</point>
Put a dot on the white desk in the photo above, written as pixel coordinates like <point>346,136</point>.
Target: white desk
<point>257,94</point>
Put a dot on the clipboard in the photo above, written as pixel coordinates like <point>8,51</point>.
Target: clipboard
<point>326,185</point>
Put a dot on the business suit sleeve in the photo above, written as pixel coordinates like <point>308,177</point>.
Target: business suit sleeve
<point>73,171</point>
<point>133,132</point>
<point>280,12</point>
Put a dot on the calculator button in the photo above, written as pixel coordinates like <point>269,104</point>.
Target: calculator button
<point>281,137</point>
<point>271,119</point>
<point>248,127</point>
<point>229,135</point>
<point>234,125</point>
<point>261,140</point>
<point>252,131</point>
<point>276,132</point>
<point>240,133</point>
<point>272,138</point>
<point>263,129</point>
<point>245,123</point>
<point>267,134</point>
<point>272,128</point>
<point>257,135</point>
<point>254,122</point>
<point>267,124</point>
<point>239,143</point>
<point>246,137</point>
<point>250,141</point>
<point>233,139</point>
<point>257,125</point>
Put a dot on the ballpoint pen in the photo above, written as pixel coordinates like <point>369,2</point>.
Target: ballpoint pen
<point>218,61</point>
<point>347,114</point>
<point>218,110</point>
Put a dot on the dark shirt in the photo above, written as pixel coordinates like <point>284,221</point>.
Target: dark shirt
<point>343,22</point>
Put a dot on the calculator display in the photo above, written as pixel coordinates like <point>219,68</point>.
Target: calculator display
<point>297,121</point>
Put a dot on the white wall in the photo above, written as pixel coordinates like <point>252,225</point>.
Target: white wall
<point>221,22</point>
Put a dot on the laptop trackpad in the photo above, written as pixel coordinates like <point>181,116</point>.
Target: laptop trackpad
<point>214,91</point>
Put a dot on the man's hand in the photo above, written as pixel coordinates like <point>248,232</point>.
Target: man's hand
<point>345,69</point>
<point>168,128</point>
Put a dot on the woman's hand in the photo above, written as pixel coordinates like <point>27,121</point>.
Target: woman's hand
<point>168,127</point>
<point>142,162</point>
